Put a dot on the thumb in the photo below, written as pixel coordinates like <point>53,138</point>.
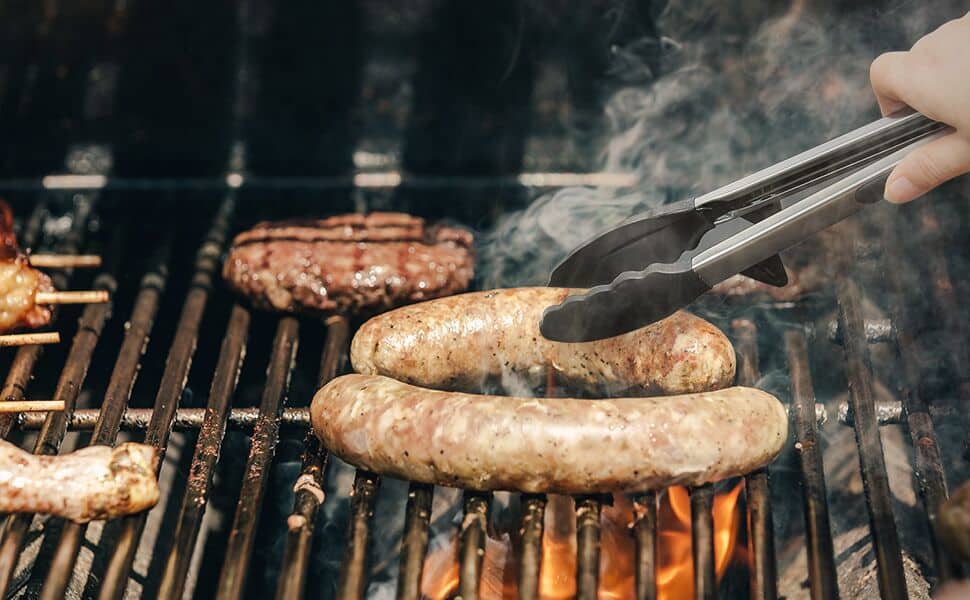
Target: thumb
<point>927,167</point>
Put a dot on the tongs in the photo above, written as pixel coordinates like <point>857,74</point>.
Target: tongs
<point>660,261</point>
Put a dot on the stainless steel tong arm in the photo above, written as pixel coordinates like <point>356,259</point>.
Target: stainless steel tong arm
<point>831,159</point>
<point>803,218</point>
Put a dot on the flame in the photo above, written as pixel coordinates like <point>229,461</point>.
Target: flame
<point>675,569</point>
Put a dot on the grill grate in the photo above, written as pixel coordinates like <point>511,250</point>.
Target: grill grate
<point>268,420</point>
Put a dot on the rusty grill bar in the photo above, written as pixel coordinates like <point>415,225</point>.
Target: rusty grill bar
<point>266,421</point>
<point>207,448</point>
<point>821,551</point>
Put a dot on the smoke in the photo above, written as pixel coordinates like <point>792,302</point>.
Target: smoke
<point>736,91</point>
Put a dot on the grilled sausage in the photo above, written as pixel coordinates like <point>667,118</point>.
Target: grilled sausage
<point>553,445</point>
<point>462,342</point>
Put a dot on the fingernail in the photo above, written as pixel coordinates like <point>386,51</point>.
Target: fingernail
<point>900,190</point>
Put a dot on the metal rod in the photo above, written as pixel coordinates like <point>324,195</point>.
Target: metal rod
<point>207,449</point>
<point>702,541</point>
<point>414,545</point>
<point>90,326</point>
<point>877,331</point>
<point>353,572</point>
<point>918,414</point>
<point>645,535</point>
<point>170,389</point>
<point>471,551</point>
<point>64,261</point>
<point>372,180</point>
<point>186,419</point>
<point>308,490</point>
<point>530,561</point>
<point>761,535</point>
<point>37,406</point>
<point>298,418</point>
<point>821,551</point>
<point>892,412</point>
<point>892,583</point>
<point>239,549</point>
<point>71,297</point>
<point>22,339</point>
<point>588,510</point>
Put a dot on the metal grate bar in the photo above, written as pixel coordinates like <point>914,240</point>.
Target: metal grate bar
<point>761,534</point>
<point>353,574</point>
<point>170,389</point>
<point>530,561</point>
<point>113,405</point>
<point>892,583</point>
<point>308,490</point>
<point>915,408</point>
<point>471,550</point>
<point>588,509</point>
<point>261,453</point>
<point>702,541</point>
<point>821,551</point>
<point>645,535</point>
<point>414,546</point>
<point>207,449</point>
<point>186,419</point>
<point>22,368</point>
<point>52,433</point>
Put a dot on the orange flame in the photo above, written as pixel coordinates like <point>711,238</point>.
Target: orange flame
<point>675,569</point>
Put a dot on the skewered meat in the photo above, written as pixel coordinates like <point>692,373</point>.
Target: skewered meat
<point>954,523</point>
<point>348,263</point>
<point>554,445</point>
<point>19,283</point>
<point>464,341</point>
<point>98,482</point>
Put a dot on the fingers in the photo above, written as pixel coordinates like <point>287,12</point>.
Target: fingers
<point>886,74</point>
<point>927,167</point>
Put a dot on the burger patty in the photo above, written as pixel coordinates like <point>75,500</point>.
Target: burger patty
<point>348,263</point>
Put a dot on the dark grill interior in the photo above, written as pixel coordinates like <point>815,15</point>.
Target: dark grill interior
<point>253,506</point>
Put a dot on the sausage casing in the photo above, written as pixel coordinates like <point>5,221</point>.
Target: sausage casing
<point>463,342</point>
<point>553,445</point>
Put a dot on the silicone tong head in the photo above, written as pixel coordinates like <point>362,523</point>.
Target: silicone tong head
<point>638,296</point>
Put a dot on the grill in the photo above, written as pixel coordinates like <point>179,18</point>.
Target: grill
<point>172,331</point>
<point>277,413</point>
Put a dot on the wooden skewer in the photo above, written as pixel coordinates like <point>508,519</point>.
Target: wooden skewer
<point>85,297</point>
<point>63,261</point>
<point>31,406</point>
<point>26,339</point>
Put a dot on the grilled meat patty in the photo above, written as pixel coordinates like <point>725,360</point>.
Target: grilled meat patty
<point>553,445</point>
<point>463,342</point>
<point>348,263</point>
<point>98,482</point>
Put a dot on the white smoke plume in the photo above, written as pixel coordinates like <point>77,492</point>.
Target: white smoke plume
<point>732,96</point>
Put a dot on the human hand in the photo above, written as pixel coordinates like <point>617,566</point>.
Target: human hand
<point>934,79</point>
